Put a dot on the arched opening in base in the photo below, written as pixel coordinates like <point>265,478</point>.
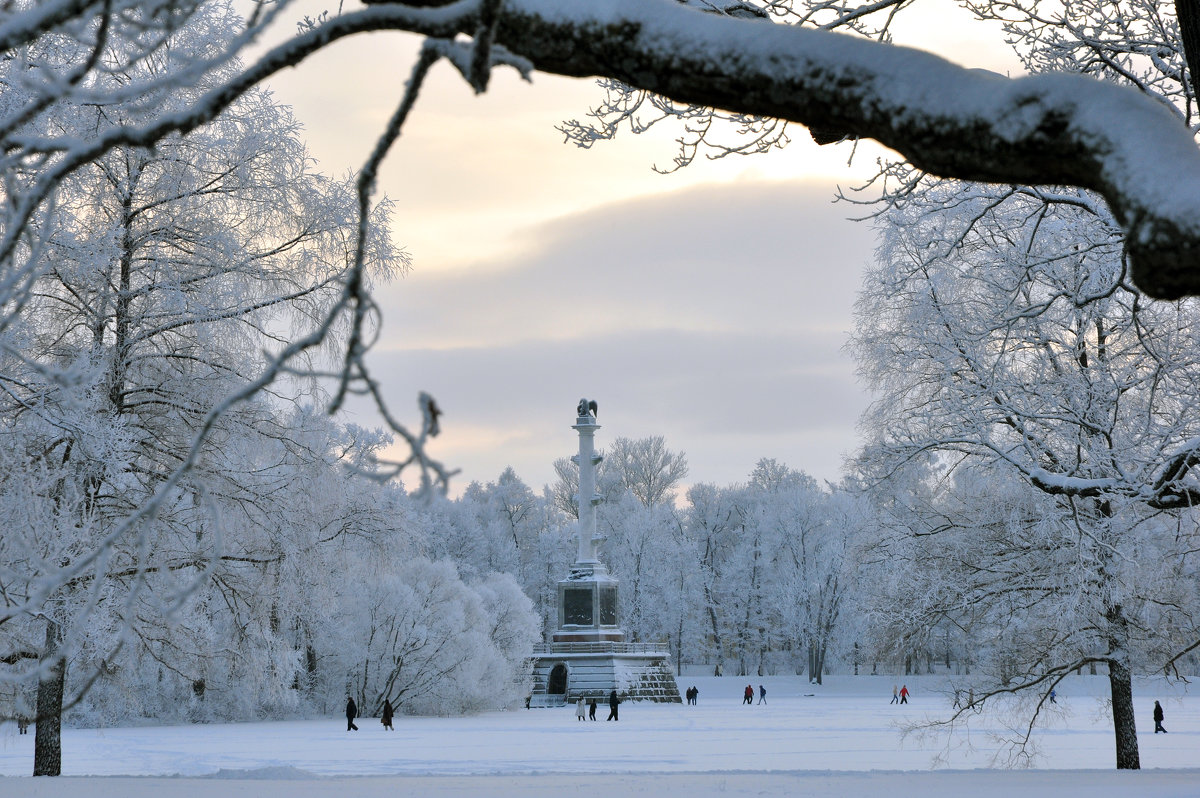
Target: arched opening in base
<point>558,680</point>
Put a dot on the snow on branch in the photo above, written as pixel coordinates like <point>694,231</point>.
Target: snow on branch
<point>1050,129</point>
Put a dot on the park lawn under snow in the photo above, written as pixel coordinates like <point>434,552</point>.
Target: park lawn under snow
<point>840,738</point>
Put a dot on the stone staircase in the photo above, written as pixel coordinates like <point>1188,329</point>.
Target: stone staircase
<point>644,676</point>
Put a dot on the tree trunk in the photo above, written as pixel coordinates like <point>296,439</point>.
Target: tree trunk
<point>1124,725</point>
<point>1188,12</point>
<point>679,650</point>
<point>47,739</point>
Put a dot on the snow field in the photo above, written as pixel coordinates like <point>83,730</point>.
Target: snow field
<point>843,739</point>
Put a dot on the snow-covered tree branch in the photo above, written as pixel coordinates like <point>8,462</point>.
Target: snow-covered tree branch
<point>1046,129</point>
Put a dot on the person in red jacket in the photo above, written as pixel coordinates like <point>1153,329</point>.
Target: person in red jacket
<point>903,694</point>
<point>748,695</point>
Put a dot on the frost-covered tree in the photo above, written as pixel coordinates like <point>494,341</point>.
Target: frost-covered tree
<point>434,644</point>
<point>503,526</point>
<point>711,524</point>
<point>132,334</point>
<point>643,548</point>
<point>1048,367</point>
<point>773,562</point>
<point>1025,585</point>
<point>646,468</point>
<point>1044,364</point>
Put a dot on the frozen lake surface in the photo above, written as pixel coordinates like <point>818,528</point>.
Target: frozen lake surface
<point>842,738</point>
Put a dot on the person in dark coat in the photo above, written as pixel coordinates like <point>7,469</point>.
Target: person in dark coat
<point>386,720</point>
<point>762,694</point>
<point>591,709</point>
<point>613,701</point>
<point>1158,719</point>
<point>351,714</point>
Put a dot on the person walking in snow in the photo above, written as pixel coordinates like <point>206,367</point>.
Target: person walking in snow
<point>386,720</point>
<point>613,701</point>
<point>762,694</point>
<point>895,695</point>
<point>591,709</point>
<point>351,713</point>
<point>1158,719</point>
<point>748,695</point>
<point>579,712</point>
<point>903,694</point>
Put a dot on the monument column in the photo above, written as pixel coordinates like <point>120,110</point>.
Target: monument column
<point>587,598</point>
<point>587,655</point>
<point>587,460</point>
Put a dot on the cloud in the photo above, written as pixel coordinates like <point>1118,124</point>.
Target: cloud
<point>736,257</point>
<point>714,316</point>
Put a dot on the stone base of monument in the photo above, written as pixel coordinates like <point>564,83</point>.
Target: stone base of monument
<point>565,672</point>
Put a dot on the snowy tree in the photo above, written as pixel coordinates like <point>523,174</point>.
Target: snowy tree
<point>503,526</point>
<point>138,300</point>
<point>643,548</point>
<point>711,524</point>
<point>1050,366</point>
<point>816,565</point>
<point>433,644</point>
<point>1005,566</point>
<point>646,468</point>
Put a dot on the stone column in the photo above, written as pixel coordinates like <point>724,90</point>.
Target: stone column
<point>587,460</point>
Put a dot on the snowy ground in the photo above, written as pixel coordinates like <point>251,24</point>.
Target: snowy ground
<point>837,739</point>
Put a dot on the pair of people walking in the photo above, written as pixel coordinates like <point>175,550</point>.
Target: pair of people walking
<point>899,696</point>
<point>748,695</point>
<point>352,713</point>
<point>591,709</point>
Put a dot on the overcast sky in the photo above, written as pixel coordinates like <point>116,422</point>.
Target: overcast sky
<point>710,306</point>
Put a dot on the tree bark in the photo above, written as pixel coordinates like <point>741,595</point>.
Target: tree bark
<point>47,740</point>
<point>1188,12</point>
<point>1124,723</point>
